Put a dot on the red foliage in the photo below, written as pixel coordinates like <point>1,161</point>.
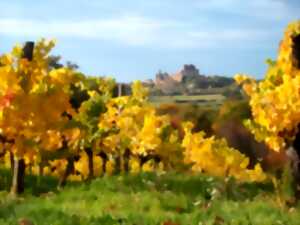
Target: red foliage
<point>6,100</point>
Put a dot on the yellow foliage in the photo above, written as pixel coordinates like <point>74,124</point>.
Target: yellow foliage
<point>33,100</point>
<point>215,157</point>
<point>275,101</point>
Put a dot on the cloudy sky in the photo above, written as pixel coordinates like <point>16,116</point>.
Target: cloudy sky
<point>133,39</point>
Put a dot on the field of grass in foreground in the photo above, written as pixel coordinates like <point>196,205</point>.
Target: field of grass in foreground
<point>169,199</point>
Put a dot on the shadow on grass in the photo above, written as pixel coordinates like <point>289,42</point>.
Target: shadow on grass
<point>186,184</point>
<point>46,216</point>
<point>34,185</point>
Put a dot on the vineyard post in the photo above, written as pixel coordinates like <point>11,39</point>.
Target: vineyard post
<point>18,165</point>
<point>119,90</point>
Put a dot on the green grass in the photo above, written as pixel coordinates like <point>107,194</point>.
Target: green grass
<point>203,100</point>
<point>168,199</point>
<point>212,97</point>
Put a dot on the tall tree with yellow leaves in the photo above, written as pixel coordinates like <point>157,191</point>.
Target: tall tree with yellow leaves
<point>37,101</point>
<point>275,101</point>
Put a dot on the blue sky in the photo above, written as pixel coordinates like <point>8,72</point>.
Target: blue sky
<point>133,39</point>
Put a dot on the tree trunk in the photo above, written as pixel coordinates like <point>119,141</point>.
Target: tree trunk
<point>11,156</point>
<point>157,160</point>
<point>104,159</point>
<point>143,160</point>
<point>126,160</point>
<point>41,172</point>
<point>41,169</point>
<point>117,169</point>
<point>69,170</point>
<point>17,186</point>
<point>89,153</point>
<point>294,155</point>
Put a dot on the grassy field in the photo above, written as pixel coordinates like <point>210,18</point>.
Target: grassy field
<point>169,199</point>
<point>213,99</point>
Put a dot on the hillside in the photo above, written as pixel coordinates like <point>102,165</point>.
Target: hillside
<point>188,81</point>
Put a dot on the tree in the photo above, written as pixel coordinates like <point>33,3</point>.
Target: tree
<point>99,91</point>
<point>36,101</point>
<point>275,100</point>
<point>132,128</point>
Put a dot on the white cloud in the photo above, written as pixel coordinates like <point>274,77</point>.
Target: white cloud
<point>133,30</point>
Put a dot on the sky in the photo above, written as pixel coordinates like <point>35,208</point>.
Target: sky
<point>134,39</point>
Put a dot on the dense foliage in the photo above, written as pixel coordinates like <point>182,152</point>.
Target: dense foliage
<point>57,121</point>
<point>275,101</point>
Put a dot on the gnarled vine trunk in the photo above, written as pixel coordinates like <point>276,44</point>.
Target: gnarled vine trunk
<point>145,159</point>
<point>296,50</point>
<point>126,157</point>
<point>104,159</point>
<point>89,153</point>
<point>118,163</point>
<point>69,170</point>
<point>18,177</point>
<point>293,154</point>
